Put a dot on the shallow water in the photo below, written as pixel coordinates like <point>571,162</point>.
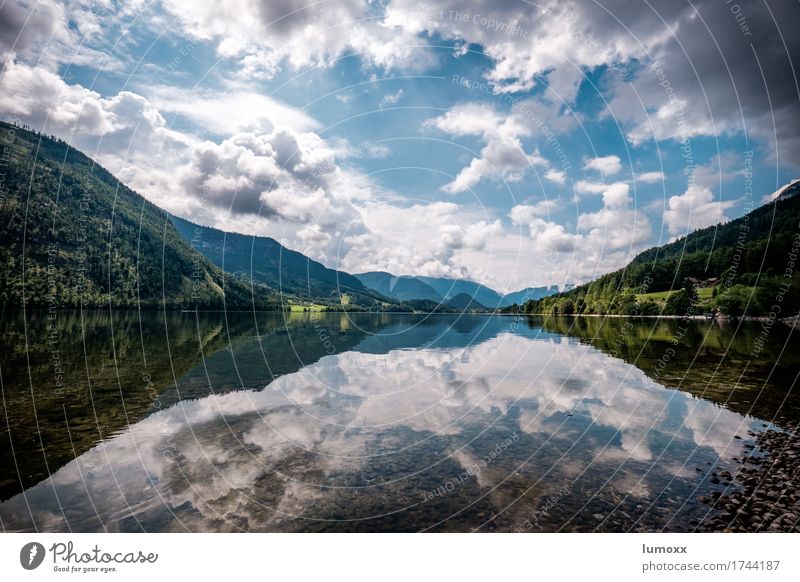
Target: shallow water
<point>376,422</point>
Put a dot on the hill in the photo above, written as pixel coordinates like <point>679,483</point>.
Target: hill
<point>743,267</point>
<point>402,288</point>
<point>264,260</point>
<point>465,302</point>
<point>72,235</point>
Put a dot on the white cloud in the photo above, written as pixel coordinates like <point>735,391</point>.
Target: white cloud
<point>503,158</point>
<point>616,195</point>
<point>586,187</point>
<point>25,30</point>
<point>602,240</point>
<point>396,240</point>
<point>116,130</point>
<point>365,149</point>
<point>526,44</point>
<point>391,99</point>
<point>469,119</point>
<point>674,120</point>
<point>556,176</point>
<point>673,87</point>
<point>770,197</point>
<point>651,177</point>
<point>525,213</point>
<point>226,113</point>
<point>695,208</point>
<point>263,35</point>
<point>607,165</point>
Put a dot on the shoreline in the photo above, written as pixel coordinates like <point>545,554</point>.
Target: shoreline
<point>793,321</point>
<point>761,496</point>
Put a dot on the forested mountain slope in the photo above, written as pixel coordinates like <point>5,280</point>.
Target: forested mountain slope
<point>71,234</point>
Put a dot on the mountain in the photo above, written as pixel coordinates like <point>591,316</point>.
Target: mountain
<point>449,288</point>
<point>527,294</point>
<point>72,235</point>
<point>265,260</point>
<point>743,267</point>
<point>440,289</point>
<point>786,191</point>
<point>465,302</point>
<point>402,288</point>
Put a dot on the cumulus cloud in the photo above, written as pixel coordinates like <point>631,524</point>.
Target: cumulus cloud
<point>48,33</point>
<point>606,165</point>
<point>453,241</point>
<point>525,213</point>
<point>601,240</point>
<point>281,173</point>
<point>556,176</point>
<point>229,112</point>
<point>700,80</point>
<point>26,29</point>
<point>651,177</point>
<point>123,124</point>
<point>549,39</point>
<point>676,71</point>
<point>586,187</point>
<point>246,155</point>
<point>695,208</point>
<point>263,35</point>
<point>502,158</point>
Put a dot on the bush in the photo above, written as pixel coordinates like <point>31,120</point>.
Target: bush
<point>682,302</point>
<point>734,300</point>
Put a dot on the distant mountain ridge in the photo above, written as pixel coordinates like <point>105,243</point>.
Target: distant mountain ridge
<point>402,288</point>
<point>528,294</point>
<point>443,289</point>
<point>449,288</point>
<point>265,260</point>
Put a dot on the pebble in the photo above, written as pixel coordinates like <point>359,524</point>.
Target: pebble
<point>756,495</point>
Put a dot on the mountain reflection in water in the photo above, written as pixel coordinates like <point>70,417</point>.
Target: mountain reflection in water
<point>364,422</point>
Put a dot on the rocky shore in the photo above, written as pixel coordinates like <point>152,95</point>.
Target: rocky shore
<point>764,493</point>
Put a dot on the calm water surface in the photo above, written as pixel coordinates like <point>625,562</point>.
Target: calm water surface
<point>371,422</point>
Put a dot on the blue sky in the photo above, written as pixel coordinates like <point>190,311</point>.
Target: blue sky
<point>513,143</point>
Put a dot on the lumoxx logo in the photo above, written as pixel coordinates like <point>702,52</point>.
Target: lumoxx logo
<point>31,555</point>
<point>66,558</point>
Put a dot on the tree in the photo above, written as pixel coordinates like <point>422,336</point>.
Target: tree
<point>734,300</point>
<point>567,307</point>
<point>683,301</point>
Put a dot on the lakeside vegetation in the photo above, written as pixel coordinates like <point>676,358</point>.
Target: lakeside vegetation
<point>747,266</point>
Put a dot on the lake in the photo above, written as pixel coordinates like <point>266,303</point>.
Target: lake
<point>153,421</point>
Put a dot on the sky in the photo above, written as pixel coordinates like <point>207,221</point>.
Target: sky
<point>513,143</point>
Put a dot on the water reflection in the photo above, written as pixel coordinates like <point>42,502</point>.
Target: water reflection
<point>408,423</point>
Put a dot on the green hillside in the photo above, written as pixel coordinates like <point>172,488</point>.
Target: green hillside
<point>264,260</point>
<point>743,267</point>
<point>71,234</point>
